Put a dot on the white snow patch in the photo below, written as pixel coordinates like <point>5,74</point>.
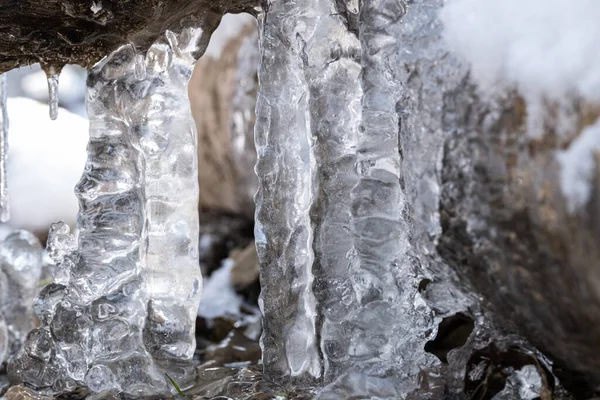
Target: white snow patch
<point>231,25</point>
<point>45,161</point>
<point>96,7</point>
<point>218,296</point>
<point>577,167</point>
<point>544,48</point>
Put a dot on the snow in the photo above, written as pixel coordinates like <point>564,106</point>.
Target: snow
<point>218,296</point>
<point>96,7</point>
<point>577,167</point>
<point>542,47</point>
<point>231,25</point>
<point>45,161</point>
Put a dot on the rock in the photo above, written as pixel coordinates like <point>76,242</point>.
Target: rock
<point>245,267</point>
<point>222,94</point>
<point>509,233</point>
<point>82,32</point>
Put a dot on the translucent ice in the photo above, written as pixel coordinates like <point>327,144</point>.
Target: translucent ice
<point>123,306</point>
<point>20,270</point>
<point>52,76</point>
<point>4,210</point>
<point>339,281</point>
<point>3,339</point>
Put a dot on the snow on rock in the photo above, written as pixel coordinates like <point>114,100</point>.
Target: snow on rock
<point>218,296</point>
<point>45,161</point>
<point>577,167</point>
<point>543,47</point>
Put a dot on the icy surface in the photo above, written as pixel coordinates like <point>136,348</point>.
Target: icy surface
<point>339,283</point>
<point>578,167</point>
<point>3,339</point>
<point>20,270</point>
<point>4,206</point>
<point>124,305</point>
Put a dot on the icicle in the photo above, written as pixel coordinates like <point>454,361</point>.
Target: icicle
<point>124,307</point>
<point>52,75</point>
<point>4,207</point>
<point>338,280</point>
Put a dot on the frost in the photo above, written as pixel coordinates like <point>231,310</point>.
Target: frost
<point>578,167</point>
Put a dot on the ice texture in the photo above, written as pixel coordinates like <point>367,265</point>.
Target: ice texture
<point>20,270</point>
<point>339,281</point>
<point>122,309</point>
<point>4,210</point>
<point>3,339</point>
<point>53,93</point>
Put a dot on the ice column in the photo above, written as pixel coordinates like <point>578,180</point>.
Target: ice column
<point>339,282</point>
<point>4,210</point>
<point>122,310</point>
<point>20,270</point>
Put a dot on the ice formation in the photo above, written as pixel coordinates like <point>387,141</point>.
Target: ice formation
<point>4,210</point>
<point>123,306</point>
<point>355,100</point>
<point>20,270</point>
<point>53,92</point>
<point>339,283</point>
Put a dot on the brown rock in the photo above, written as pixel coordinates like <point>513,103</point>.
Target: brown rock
<point>72,31</point>
<point>226,169</point>
<point>245,268</point>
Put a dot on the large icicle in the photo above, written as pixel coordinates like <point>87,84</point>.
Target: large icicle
<point>283,230</point>
<point>123,307</point>
<point>339,283</point>
<point>4,210</point>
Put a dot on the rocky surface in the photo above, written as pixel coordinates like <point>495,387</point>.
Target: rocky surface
<point>55,33</point>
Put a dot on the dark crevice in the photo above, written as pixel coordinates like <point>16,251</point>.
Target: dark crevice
<point>453,332</point>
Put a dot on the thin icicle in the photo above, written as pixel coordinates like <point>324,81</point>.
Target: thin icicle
<point>53,93</point>
<point>4,210</point>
